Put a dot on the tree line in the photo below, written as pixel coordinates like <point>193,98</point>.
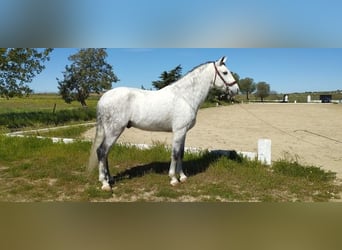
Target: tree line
<point>88,72</point>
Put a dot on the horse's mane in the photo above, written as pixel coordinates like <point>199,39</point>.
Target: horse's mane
<point>196,67</point>
<point>192,70</point>
<point>189,72</point>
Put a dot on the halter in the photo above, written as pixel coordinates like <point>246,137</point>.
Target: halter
<point>224,81</point>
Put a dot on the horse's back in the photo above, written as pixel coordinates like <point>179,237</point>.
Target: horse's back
<point>114,95</point>
<point>147,110</point>
<point>130,97</point>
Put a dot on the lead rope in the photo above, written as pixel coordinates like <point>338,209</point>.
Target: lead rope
<point>276,128</point>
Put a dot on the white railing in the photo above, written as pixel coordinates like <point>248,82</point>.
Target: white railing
<point>263,154</point>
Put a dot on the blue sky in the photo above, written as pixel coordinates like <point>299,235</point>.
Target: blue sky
<point>215,23</point>
<point>176,23</point>
<point>291,44</point>
<point>287,70</point>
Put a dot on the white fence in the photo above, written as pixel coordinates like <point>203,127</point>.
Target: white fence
<point>263,154</point>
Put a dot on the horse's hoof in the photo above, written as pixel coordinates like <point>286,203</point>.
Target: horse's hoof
<point>106,187</point>
<point>174,182</point>
<point>183,178</point>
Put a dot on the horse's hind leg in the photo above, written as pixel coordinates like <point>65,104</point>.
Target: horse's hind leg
<point>104,174</point>
<point>176,157</point>
<point>102,154</point>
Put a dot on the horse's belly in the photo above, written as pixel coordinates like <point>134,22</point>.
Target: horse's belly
<point>158,111</point>
<point>153,127</point>
<point>152,122</point>
<point>151,119</point>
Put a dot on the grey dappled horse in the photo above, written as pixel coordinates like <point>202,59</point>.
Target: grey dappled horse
<point>171,109</point>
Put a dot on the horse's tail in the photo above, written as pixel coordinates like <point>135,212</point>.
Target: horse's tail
<point>93,160</point>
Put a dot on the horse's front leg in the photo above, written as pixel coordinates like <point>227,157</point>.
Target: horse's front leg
<point>179,167</point>
<point>176,157</point>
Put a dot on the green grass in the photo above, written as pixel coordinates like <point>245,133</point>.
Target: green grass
<point>37,170</point>
<point>39,111</point>
<point>15,121</point>
<point>40,102</point>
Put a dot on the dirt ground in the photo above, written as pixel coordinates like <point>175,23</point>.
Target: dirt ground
<point>311,133</point>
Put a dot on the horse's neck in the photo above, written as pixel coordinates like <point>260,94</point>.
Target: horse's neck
<point>194,88</point>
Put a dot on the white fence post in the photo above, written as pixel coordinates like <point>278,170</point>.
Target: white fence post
<point>264,151</point>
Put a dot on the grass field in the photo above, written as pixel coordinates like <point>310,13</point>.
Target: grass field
<point>40,102</point>
<point>42,110</point>
<point>37,170</point>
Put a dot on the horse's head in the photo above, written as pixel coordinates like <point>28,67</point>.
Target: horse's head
<point>223,77</point>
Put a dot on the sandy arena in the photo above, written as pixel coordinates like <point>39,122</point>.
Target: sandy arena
<point>312,133</point>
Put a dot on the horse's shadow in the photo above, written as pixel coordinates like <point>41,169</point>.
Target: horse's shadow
<point>190,167</point>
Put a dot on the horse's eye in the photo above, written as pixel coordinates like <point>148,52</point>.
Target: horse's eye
<point>225,73</point>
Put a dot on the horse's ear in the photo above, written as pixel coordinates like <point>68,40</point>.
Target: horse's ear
<point>222,60</point>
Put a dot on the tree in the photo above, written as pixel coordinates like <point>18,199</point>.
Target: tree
<point>88,73</point>
<point>19,66</point>
<point>262,90</point>
<point>247,86</point>
<point>166,78</point>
